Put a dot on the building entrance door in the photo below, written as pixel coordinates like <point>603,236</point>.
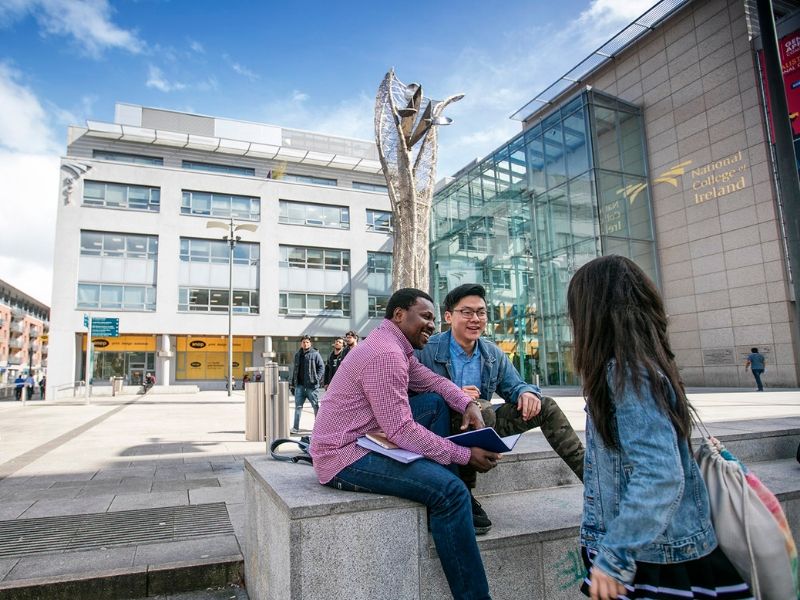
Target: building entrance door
<point>136,372</point>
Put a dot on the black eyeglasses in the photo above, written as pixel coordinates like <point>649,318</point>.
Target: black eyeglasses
<point>468,313</point>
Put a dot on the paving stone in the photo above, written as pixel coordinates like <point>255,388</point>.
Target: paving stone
<point>184,484</point>
<point>6,564</point>
<point>13,509</point>
<point>233,494</point>
<point>186,550</point>
<point>49,565</point>
<point>152,500</point>
<point>77,506</point>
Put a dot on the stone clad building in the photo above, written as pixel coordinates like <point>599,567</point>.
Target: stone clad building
<point>656,147</point>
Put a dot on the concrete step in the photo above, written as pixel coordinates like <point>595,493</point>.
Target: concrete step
<point>124,554</point>
<point>305,541</point>
<point>533,464</point>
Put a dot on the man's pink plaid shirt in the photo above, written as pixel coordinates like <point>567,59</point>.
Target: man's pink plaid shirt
<point>370,392</point>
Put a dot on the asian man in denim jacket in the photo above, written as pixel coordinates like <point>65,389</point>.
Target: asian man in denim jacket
<point>482,369</point>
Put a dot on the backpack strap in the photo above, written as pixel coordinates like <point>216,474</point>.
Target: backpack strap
<point>301,457</point>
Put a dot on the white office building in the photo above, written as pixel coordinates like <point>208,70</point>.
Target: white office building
<point>132,242</point>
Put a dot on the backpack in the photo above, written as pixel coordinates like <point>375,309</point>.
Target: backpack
<point>750,525</point>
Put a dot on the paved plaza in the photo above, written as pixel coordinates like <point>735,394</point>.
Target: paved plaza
<point>137,455</point>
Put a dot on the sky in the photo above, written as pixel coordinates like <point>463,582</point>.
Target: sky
<point>310,65</point>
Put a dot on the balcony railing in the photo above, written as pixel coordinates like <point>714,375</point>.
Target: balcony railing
<point>14,360</point>
<point>15,343</point>
<point>34,332</point>
<point>17,328</point>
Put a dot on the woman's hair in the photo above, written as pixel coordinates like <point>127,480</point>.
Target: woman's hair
<point>617,312</point>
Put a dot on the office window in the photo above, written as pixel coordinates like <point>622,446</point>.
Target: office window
<point>120,195</point>
<point>379,220</point>
<point>370,187</point>
<point>315,215</point>
<point>106,296</point>
<point>217,251</point>
<point>210,204</point>
<point>379,262</point>
<point>500,279</point>
<point>196,299</point>
<point>329,259</point>
<point>99,243</point>
<point>308,179</point>
<point>311,304</point>
<point>377,305</point>
<point>194,165</point>
<point>136,159</point>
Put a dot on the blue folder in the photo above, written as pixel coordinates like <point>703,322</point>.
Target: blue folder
<point>485,438</point>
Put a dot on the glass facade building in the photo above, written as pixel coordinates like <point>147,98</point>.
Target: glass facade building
<point>571,187</point>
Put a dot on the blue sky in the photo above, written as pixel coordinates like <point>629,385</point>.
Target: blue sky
<point>310,65</point>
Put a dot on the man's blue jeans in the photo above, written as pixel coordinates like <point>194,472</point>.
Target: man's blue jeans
<point>437,487</point>
<point>301,394</point>
<point>757,376</point>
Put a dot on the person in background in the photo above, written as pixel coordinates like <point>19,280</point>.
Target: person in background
<point>350,341</point>
<point>19,384</point>
<point>308,374</point>
<point>30,385</point>
<point>756,363</point>
<point>42,386</point>
<point>149,381</point>
<point>334,360</point>
<point>371,393</point>
<point>481,369</point>
<point>646,530</point>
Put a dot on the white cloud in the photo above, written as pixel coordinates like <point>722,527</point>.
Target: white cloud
<point>196,46</point>
<point>23,121</point>
<point>349,118</point>
<point>244,71</point>
<point>29,157</point>
<point>613,12</point>
<point>28,202</point>
<point>87,22</point>
<point>156,80</point>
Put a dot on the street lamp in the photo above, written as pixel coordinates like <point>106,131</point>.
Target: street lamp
<point>232,239</point>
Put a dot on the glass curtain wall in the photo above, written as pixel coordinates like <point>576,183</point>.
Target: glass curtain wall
<point>570,188</point>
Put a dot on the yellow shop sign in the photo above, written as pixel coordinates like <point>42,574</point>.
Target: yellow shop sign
<point>123,343</point>
<point>185,343</point>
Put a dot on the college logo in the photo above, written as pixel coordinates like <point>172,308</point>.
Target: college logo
<point>100,343</point>
<point>197,344</point>
<point>196,365</point>
<point>670,176</point>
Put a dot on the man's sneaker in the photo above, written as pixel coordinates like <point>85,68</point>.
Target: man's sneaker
<point>479,517</point>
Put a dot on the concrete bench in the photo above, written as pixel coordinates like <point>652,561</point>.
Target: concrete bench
<point>304,541</point>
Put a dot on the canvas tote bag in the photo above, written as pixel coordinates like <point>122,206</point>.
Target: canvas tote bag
<point>747,532</point>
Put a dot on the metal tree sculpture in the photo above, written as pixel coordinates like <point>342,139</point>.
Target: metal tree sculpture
<point>405,130</point>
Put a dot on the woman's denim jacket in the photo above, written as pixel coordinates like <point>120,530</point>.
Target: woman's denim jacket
<point>645,500</point>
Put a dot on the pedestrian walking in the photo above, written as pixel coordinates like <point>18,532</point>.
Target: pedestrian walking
<point>646,530</point>
<point>30,385</point>
<point>756,362</point>
<point>19,384</point>
<point>307,376</point>
<point>334,360</point>
<point>42,386</point>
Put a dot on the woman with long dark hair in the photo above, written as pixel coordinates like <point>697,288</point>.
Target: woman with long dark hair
<point>646,530</point>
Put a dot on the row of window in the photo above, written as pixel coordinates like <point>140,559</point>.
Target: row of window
<point>103,296</point>
<point>211,204</point>
<point>194,165</point>
<point>122,245</point>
